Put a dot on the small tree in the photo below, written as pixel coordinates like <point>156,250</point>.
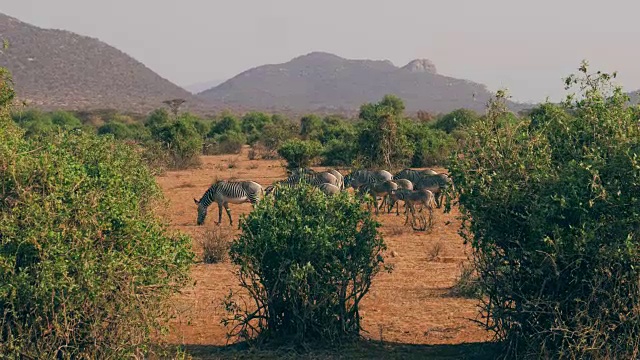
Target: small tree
<point>299,153</point>
<point>307,261</point>
<point>380,142</point>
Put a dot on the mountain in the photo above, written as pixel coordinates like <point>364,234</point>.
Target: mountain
<point>60,69</point>
<point>202,86</point>
<point>324,81</point>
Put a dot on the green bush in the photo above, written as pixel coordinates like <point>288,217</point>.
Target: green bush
<point>117,129</point>
<point>86,269</point>
<point>227,123</point>
<point>227,143</point>
<point>274,135</point>
<point>434,147</point>
<point>551,209</point>
<point>457,119</point>
<point>182,141</point>
<point>380,143</point>
<point>339,153</point>
<point>299,153</point>
<point>307,261</point>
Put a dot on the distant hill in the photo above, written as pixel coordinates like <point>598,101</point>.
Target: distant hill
<point>202,86</point>
<point>60,69</point>
<point>321,81</point>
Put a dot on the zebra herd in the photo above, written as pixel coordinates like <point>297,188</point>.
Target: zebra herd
<point>424,187</point>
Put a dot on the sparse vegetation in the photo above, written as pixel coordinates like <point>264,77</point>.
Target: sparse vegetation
<point>215,244</point>
<point>434,251</point>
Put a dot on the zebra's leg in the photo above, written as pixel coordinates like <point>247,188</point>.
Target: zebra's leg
<point>226,207</point>
<point>219,214</point>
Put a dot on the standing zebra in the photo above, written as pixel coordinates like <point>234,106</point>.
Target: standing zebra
<point>311,179</point>
<point>436,184</point>
<point>357,178</point>
<point>393,200</point>
<point>382,189</point>
<point>309,171</point>
<point>414,175</point>
<point>225,192</point>
<point>412,197</point>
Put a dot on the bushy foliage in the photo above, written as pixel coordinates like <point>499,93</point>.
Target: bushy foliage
<point>182,141</point>
<point>457,119</point>
<point>551,209</point>
<point>431,146</point>
<point>299,153</point>
<point>85,266</point>
<point>307,261</point>
<point>380,143</point>
<point>230,142</point>
<point>227,123</point>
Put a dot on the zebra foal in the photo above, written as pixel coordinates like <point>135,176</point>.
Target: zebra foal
<point>225,192</point>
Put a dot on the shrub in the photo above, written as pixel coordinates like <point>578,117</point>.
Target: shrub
<point>117,129</point>
<point>380,143</point>
<point>227,143</point>
<point>552,213</point>
<point>85,267</point>
<point>182,141</point>
<point>457,119</point>
<point>274,135</point>
<point>299,153</point>
<point>434,147</point>
<point>228,123</point>
<point>307,260</point>
<point>310,127</point>
<point>339,153</point>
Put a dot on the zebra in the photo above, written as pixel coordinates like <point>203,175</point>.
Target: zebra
<point>309,171</point>
<point>313,180</point>
<point>316,178</point>
<point>436,184</point>
<point>412,197</point>
<point>329,189</point>
<point>338,176</point>
<point>360,177</point>
<point>402,184</point>
<point>382,189</point>
<point>224,192</point>
<point>414,175</point>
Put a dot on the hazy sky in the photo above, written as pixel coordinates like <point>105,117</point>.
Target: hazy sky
<point>526,47</point>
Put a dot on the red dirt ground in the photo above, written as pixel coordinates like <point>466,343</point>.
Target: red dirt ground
<point>409,306</point>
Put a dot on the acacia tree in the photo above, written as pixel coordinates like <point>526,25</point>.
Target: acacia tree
<point>174,105</point>
<point>551,210</point>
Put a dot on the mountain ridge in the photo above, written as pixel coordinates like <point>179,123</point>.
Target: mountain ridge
<point>55,68</point>
<point>322,80</point>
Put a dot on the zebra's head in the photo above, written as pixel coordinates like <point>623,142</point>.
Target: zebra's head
<point>202,212</point>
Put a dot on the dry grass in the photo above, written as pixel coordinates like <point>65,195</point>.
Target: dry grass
<point>215,245</point>
<point>434,251</point>
<point>467,284</point>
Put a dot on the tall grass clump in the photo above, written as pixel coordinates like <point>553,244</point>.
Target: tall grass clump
<point>551,208</point>
<point>86,268</point>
